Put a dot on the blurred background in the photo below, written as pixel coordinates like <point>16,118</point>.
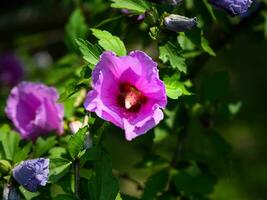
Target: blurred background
<point>36,45</point>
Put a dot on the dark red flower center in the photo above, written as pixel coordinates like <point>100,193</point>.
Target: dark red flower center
<point>130,97</point>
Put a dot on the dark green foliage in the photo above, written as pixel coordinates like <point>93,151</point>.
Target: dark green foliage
<point>103,185</point>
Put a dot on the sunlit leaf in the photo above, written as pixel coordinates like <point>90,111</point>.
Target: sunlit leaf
<point>110,42</point>
<point>137,6</point>
<point>172,53</point>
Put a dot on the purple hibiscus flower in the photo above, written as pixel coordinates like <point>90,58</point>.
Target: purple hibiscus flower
<point>32,173</point>
<point>11,70</point>
<point>127,91</point>
<point>233,7</point>
<point>33,109</point>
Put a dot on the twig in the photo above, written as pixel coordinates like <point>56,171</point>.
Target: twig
<point>77,178</point>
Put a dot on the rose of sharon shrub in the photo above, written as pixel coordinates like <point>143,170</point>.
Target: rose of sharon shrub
<point>127,91</point>
<point>33,109</point>
<point>32,173</point>
<point>233,7</point>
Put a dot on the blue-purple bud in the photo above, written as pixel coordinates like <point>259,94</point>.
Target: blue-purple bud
<point>233,7</point>
<point>10,193</point>
<point>179,23</point>
<point>32,173</point>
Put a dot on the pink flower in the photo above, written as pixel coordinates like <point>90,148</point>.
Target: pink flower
<point>33,109</point>
<point>127,91</point>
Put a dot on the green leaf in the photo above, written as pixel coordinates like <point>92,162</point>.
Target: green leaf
<point>209,8</point>
<point>136,6</point>
<point>10,142</point>
<point>75,28</point>
<point>22,153</point>
<point>86,173</point>
<point>90,52</point>
<point>57,152</point>
<point>58,167</point>
<point>118,197</point>
<point>191,184</point>
<point>43,145</point>
<point>110,42</point>
<point>196,37</point>
<point>76,142</point>
<point>91,154</point>
<point>70,90</point>
<point>155,184</point>
<point>27,194</point>
<point>66,182</point>
<point>174,87</point>
<point>64,197</point>
<point>234,108</point>
<point>206,46</point>
<point>103,185</point>
<point>172,53</point>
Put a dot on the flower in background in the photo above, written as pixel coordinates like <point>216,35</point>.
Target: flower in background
<point>32,173</point>
<point>233,7</point>
<point>179,23</point>
<point>127,91</point>
<point>34,110</point>
<point>11,70</point>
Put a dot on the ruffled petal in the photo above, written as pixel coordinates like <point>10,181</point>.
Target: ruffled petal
<point>141,127</point>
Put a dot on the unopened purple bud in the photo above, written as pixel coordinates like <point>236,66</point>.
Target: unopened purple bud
<point>170,2</point>
<point>233,7</point>
<point>10,193</point>
<point>179,23</point>
<point>32,173</point>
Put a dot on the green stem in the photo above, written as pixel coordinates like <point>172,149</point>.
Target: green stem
<point>76,164</point>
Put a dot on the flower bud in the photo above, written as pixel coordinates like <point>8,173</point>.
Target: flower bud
<point>32,173</point>
<point>233,7</point>
<point>10,193</point>
<point>179,23</point>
